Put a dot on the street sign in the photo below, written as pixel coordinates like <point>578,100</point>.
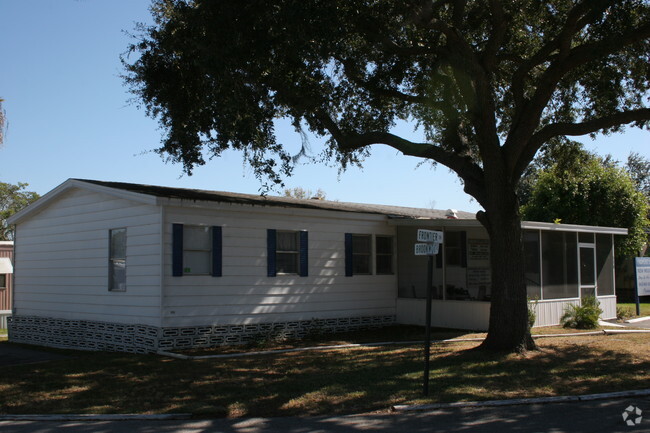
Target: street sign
<point>429,236</point>
<point>426,249</point>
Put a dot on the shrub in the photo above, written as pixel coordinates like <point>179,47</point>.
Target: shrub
<point>584,316</point>
<point>624,313</point>
<point>531,312</point>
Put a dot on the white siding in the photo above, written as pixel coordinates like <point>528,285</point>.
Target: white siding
<point>549,312</point>
<point>476,315</point>
<point>608,305</point>
<point>445,314</point>
<point>62,260</point>
<point>244,294</point>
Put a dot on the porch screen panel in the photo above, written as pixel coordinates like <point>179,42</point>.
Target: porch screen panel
<point>533,273</point>
<point>604,265</point>
<point>559,265</point>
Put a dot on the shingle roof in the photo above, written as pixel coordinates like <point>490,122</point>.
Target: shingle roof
<point>259,200</point>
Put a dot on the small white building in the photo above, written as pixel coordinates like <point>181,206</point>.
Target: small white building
<point>127,267</point>
<point>6,280</point>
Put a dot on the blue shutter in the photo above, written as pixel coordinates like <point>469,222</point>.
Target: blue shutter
<point>304,253</point>
<point>348,255</point>
<point>271,241</point>
<point>177,250</point>
<point>217,247</point>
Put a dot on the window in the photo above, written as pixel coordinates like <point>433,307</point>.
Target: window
<point>117,260</point>
<point>454,248</point>
<point>361,254</point>
<point>384,255</point>
<point>286,253</point>
<point>196,250</point>
<point>3,281</point>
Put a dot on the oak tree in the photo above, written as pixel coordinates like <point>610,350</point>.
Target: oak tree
<point>488,81</point>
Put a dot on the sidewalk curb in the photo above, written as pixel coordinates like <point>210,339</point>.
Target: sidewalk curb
<point>519,401</point>
<point>92,417</point>
<point>638,319</point>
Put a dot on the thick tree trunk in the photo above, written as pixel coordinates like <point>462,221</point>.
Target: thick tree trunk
<point>508,329</point>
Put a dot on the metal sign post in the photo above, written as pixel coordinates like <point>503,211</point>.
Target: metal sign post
<point>433,239</point>
<point>427,339</point>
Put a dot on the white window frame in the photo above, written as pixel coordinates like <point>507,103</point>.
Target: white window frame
<point>293,253</point>
<point>391,254</point>
<point>114,261</point>
<point>207,230</point>
<point>356,253</point>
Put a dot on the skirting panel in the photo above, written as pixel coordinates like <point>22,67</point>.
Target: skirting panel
<point>116,337</point>
<point>83,334</point>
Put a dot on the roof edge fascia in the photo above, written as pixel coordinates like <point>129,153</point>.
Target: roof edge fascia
<point>537,225</point>
<point>528,225</point>
<point>429,222</point>
<point>270,207</point>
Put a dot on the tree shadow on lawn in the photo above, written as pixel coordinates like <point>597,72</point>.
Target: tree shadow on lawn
<point>566,369</point>
<point>311,383</point>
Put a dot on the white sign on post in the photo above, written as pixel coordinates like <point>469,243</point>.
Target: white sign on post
<point>426,249</point>
<point>433,236</point>
<point>642,265</point>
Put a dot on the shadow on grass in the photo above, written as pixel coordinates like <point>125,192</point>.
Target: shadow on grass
<point>311,383</point>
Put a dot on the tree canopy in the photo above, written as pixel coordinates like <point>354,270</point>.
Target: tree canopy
<point>482,78</point>
<point>582,188</point>
<point>639,169</point>
<point>488,81</point>
<point>12,199</point>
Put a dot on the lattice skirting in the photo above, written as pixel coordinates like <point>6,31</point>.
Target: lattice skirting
<point>116,337</point>
<point>83,334</point>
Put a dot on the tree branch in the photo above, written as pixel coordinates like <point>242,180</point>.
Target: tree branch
<point>529,114</point>
<point>351,71</point>
<point>499,29</point>
<point>576,129</point>
<point>464,166</point>
<point>578,18</point>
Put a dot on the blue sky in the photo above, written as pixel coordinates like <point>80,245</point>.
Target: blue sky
<point>69,117</point>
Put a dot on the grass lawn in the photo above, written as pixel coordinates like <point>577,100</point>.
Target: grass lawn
<point>323,382</point>
<point>645,308</point>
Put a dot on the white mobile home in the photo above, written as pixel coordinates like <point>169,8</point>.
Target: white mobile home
<point>117,266</point>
